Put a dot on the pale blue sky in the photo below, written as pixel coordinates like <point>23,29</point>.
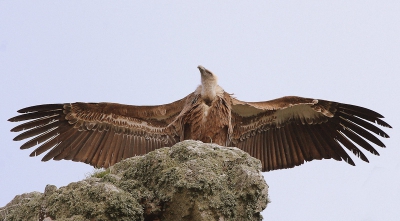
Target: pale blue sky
<point>147,52</point>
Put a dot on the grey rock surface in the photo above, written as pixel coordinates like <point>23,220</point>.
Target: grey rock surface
<point>189,181</point>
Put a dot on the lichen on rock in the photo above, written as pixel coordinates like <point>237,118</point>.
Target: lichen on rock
<point>188,181</point>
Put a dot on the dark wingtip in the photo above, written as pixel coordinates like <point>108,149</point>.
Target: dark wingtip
<point>45,160</point>
<point>13,119</point>
<point>350,161</point>
<point>42,107</point>
<point>33,154</point>
<point>382,123</point>
<point>16,129</point>
<point>387,125</point>
<point>361,110</point>
<point>37,108</point>
<point>16,138</point>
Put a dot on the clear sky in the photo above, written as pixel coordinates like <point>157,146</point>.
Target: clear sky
<point>147,52</point>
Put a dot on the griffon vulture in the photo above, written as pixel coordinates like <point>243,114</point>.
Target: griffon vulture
<point>281,133</point>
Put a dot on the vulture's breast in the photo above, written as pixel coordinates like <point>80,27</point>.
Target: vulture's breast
<point>208,123</point>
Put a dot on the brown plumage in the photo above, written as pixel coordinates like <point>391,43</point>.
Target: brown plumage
<point>282,133</point>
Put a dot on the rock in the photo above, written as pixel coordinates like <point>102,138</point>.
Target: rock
<point>189,181</point>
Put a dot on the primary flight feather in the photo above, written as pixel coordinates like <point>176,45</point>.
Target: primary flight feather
<point>282,133</point>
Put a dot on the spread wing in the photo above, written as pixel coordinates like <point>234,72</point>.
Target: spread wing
<point>288,131</point>
<point>100,134</point>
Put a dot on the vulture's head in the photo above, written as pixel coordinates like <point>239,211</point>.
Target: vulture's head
<point>209,86</point>
<point>207,77</point>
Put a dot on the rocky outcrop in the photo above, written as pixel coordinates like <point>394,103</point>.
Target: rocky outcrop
<point>189,181</point>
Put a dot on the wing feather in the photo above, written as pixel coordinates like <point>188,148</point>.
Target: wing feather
<point>112,158</point>
<point>281,149</point>
<point>94,148</point>
<point>128,147</point>
<point>106,150</point>
<point>79,154</point>
<point>274,152</point>
<point>361,131</point>
<point>290,152</point>
<point>364,124</point>
<point>64,150</point>
<point>367,115</point>
<point>330,138</point>
<point>44,136</point>
<point>266,158</point>
<point>135,146</point>
<point>294,144</point>
<point>55,143</point>
<point>36,123</point>
<point>36,115</point>
<point>325,143</point>
<point>119,155</point>
<point>149,144</point>
<point>259,151</point>
<point>287,139</point>
<point>319,149</point>
<point>299,138</point>
<point>312,148</point>
<point>350,146</point>
<point>75,150</point>
<point>33,132</point>
<point>251,146</point>
<point>41,108</point>
<point>97,148</point>
<point>361,142</point>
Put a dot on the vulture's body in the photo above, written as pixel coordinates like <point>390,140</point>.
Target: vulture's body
<point>282,133</point>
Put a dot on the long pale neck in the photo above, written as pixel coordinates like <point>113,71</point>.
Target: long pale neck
<point>208,89</point>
